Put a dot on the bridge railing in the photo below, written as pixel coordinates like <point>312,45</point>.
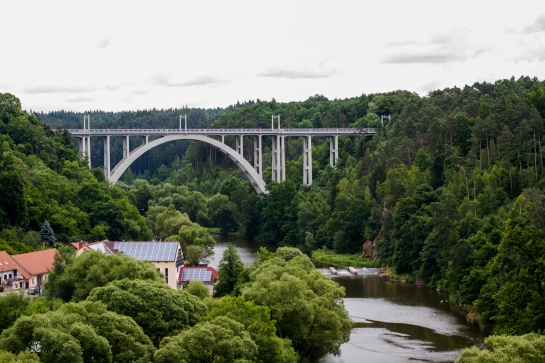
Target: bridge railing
<point>291,131</point>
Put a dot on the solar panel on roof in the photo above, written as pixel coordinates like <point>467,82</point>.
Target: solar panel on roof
<point>149,251</point>
<point>200,274</point>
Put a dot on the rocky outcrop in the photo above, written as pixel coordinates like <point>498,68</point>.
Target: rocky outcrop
<point>369,250</point>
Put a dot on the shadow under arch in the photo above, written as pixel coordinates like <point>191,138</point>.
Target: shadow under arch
<point>257,181</point>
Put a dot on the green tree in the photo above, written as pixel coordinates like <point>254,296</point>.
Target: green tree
<point>13,306</point>
<point>47,235</point>
<point>529,348</point>
<point>221,340</point>
<point>230,268</point>
<point>127,341</point>
<point>308,307</point>
<point>93,269</point>
<point>193,255</point>
<point>158,309</point>
<point>257,321</point>
<point>198,289</point>
<point>222,212</point>
<point>23,357</point>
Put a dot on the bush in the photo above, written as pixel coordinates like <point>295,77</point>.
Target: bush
<point>1,288</point>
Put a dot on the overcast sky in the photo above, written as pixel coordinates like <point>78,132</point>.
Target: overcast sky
<point>130,55</point>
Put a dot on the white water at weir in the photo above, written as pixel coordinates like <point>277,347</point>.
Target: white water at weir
<point>345,272</point>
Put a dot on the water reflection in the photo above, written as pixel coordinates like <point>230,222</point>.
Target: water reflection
<point>397,322</point>
<point>393,322</point>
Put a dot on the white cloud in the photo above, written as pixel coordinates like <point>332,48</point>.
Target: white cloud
<point>123,55</point>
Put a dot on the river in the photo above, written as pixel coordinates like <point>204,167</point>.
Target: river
<point>393,322</point>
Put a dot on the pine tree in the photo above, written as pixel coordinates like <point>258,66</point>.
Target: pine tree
<point>47,234</point>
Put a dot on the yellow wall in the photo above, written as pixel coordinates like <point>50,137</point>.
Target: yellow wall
<point>172,272</point>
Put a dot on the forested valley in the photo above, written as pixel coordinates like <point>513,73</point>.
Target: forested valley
<point>449,191</point>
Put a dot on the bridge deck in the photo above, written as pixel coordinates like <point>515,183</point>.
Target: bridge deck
<point>219,132</point>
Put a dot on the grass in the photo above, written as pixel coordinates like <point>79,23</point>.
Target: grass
<point>327,257</point>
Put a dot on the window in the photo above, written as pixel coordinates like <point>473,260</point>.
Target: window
<point>166,275</point>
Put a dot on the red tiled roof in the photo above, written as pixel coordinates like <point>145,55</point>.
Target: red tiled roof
<point>37,263</point>
<point>8,263</point>
<point>79,244</point>
<point>213,275</point>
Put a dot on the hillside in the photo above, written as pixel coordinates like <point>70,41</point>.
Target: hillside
<point>450,190</point>
<point>42,179</point>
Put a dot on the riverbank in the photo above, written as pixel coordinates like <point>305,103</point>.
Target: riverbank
<point>330,258</point>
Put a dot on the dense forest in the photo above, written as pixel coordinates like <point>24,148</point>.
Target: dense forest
<point>449,190</point>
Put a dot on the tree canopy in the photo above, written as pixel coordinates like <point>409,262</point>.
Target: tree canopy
<point>94,269</point>
<point>157,308</point>
<point>308,307</point>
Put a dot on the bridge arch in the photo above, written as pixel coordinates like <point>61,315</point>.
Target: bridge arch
<point>257,181</point>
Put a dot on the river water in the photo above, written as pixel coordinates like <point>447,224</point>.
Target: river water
<point>393,322</point>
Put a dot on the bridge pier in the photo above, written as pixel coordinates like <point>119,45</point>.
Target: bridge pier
<point>85,140</point>
<point>307,160</point>
<point>258,155</point>
<point>126,146</point>
<point>333,150</point>
<point>278,165</point>
<point>107,157</point>
<point>239,146</point>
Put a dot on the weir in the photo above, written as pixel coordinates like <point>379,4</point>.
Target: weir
<point>216,138</point>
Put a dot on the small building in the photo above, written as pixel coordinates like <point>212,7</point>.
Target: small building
<point>12,275</point>
<point>35,266</point>
<point>167,257</point>
<point>208,275</point>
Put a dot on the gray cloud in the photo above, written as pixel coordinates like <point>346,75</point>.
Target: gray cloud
<point>537,26</point>
<point>401,43</point>
<point>202,81</point>
<point>58,89</point>
<point>162,79</point>
<point>80,99</point>
<point>414,58</point>
<point>305,73</point>
<point>429,86</point>
<point>141,92</point>
<point>106,41</point>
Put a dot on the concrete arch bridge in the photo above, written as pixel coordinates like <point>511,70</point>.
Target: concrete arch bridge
<point>216,138</point>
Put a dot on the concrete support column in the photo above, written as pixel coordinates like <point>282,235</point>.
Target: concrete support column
<point>82,146</point>
<point>278,159</point>
<point>88,149</point>
<point>107,157</point>
<point>307,160</point>
<point>223,139</point>
<point>258,155</point>
<point>281,159</point>
<point>274,161</point>
<point>239,147</point>
<point>126,146</point>
<point>333,150</point>
<point>85,144</point>
<point>145,139</point>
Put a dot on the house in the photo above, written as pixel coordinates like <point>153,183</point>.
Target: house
<point>208,275</point>
<point>35,267</point>
<point>167,257</point>
<point>12,275</point>
<point>106,247</point>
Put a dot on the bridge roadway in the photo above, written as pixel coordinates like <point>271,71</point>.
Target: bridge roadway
<point>253,173</point>
<point>219,132</point>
